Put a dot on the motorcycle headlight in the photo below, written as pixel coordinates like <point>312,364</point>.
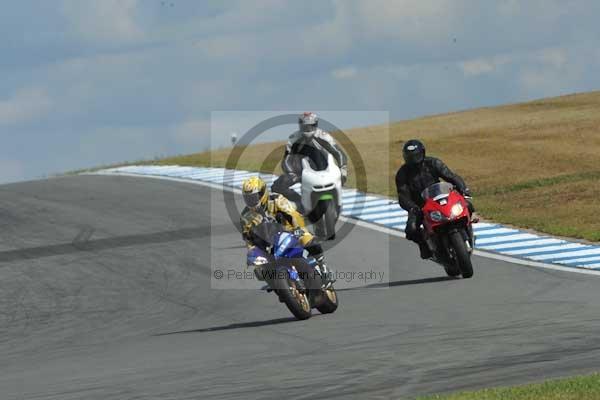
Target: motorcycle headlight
<point>456,210</point>
<point>436,216</point>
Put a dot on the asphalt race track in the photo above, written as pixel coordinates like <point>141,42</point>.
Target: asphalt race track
<point>105,293</point>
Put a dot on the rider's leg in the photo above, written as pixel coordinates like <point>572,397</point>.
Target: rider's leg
<point>282,186</point>
<point>414,233</point>
<point>315,250</point>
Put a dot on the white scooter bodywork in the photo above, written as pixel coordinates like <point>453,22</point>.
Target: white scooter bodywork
<point>321,186</point>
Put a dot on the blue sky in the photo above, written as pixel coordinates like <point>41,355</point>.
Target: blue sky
<point>100,81</point>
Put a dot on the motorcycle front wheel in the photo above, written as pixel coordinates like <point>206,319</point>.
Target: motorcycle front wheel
<point>452,270</point>
<point>325,217</point>
<point>463,257</point>
<point>295,300</point>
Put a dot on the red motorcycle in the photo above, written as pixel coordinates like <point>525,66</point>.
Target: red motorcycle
<point>448,228</point>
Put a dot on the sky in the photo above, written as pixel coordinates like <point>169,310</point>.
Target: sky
<point>92,82</point>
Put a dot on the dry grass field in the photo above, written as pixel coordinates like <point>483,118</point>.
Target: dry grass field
<point>535,165</point>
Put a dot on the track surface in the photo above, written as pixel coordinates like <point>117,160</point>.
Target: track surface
<point>105,292</point>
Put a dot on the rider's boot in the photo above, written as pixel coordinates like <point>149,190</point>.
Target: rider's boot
<point>425,251</point>
<point>326,275</point>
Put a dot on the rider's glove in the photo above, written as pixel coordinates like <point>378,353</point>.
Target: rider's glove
<point>293,178</point>
<point>466,192</point>
<point>299,232</point>
<point>344,171</point>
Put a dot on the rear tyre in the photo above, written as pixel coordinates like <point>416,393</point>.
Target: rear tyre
<point>296,301</point>
<point>463,258</point>
<point>330,301</point>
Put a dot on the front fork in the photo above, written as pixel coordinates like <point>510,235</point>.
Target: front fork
<point>470,239</point>
<point>443,242</point>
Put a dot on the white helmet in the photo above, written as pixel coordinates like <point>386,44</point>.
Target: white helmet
<point>308,122</point>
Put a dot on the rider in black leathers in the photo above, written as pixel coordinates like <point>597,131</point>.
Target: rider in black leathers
<point>418,173</point>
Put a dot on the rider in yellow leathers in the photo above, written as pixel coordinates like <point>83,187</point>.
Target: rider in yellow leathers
<point>261,205</point>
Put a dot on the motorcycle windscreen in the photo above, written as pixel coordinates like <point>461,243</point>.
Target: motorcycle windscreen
<point>437,190</point>
<point>264,234</point>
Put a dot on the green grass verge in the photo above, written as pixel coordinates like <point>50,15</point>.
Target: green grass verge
<point>578,388</point>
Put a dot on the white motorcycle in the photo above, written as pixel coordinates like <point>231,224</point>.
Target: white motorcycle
<point>321,191</point>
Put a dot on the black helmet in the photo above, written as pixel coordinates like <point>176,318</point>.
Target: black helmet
<point>413,152</point>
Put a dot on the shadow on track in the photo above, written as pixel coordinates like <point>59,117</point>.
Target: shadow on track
<point>82,242</point>
<point>238,325</point>
<point>401,283</point>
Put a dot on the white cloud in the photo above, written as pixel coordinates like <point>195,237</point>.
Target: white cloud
<point>552,71</point>
<point>229,46</point>
<point>353,24</point>
<point>344,73</point>
<point>135,79</point>
<point>537,82</point>
<point>243,16</point>
<point>25,105</point>
<point>401,19</point>
<point>103,20</point>
<point>476,67</point>
<point>480,66</point>
<point>554,57</point>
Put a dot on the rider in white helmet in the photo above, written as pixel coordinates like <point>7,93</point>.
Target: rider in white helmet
<point>309,141</point>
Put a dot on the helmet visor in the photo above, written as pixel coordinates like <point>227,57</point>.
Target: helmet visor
<point>413,157</point>
<point>252,200</point>
<point>307,128</point>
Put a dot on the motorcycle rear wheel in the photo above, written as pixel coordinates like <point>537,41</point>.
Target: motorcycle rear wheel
<point>330,301</point>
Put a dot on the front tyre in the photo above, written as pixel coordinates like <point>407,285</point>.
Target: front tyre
<point>331,217</point>
<point>295,300</point>
<point>461,253</point>
<point>326,220</point>
<point>452,270</point>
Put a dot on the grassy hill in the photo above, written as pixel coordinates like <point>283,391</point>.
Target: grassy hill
<point>534,164</point>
